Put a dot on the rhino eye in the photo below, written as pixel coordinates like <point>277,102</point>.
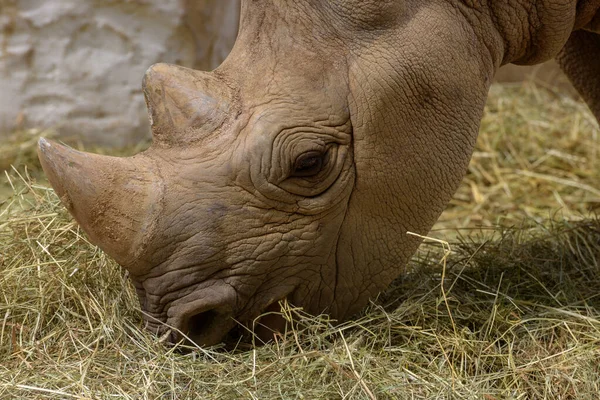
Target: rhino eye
<point>308,164</point>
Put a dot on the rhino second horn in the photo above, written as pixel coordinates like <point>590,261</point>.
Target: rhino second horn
<point>115,200</point>
<point>184,104</point>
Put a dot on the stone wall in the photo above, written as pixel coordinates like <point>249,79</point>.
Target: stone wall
<point>77,65</point>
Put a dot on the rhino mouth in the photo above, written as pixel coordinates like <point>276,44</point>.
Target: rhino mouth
<point>270,323</point>
<point>261,330</point>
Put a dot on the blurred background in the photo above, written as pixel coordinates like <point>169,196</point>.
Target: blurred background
<point>75,66</point>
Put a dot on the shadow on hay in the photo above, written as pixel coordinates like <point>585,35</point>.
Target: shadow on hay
<point>519,273</point>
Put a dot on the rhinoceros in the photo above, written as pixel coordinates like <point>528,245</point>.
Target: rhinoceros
<point>296,170</point>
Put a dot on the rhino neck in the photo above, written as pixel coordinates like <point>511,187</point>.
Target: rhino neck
<point>527,33</point>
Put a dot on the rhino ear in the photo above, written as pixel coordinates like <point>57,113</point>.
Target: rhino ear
<point>184,104</point>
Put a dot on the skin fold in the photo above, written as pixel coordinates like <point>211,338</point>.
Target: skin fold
<point>297,168</point>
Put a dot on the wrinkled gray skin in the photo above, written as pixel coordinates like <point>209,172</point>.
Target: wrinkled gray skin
<point>295,170</point>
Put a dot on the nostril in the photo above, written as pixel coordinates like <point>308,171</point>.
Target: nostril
<point>202,322</point>
<point>209,327</point>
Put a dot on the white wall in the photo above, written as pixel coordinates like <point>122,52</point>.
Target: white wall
<point>77,65</point>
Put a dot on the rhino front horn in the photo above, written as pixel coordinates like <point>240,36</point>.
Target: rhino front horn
<point>115,200</point>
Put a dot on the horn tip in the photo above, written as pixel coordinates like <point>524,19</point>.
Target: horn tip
<point>53,163</point>
<point>46,147</point>
<point>43,149</point>
<point>43,145</point>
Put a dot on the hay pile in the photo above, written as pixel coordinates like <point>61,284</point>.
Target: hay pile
<point>507,313</point>
<point>537,157</point>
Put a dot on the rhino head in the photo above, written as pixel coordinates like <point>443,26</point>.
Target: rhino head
<point>294,170</point>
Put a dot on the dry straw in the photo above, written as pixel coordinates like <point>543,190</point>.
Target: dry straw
<point>509,312</point>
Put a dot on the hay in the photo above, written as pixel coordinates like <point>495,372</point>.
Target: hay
<point>537,157</point>
<point>19,148</point>
<point>510,313</point>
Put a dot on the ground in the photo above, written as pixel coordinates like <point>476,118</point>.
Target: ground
<point>501,302</point>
